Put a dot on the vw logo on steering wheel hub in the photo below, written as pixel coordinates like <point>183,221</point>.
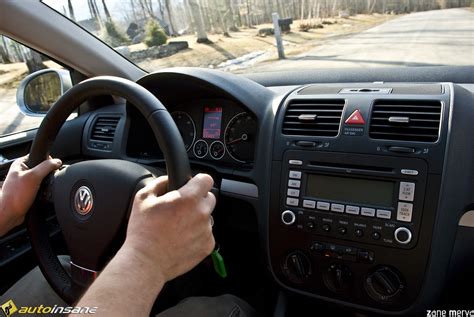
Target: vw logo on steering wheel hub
<point>83,200</point>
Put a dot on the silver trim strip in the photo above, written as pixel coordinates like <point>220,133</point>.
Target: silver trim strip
<point>467,220</point>
<point>239,188</point>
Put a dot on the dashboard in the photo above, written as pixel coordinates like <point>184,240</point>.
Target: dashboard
<point>358,187</point>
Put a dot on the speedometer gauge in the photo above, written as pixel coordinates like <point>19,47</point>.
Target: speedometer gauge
<point>186,127</point>
<point>239,138</point>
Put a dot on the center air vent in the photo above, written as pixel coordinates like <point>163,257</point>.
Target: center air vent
<point>405,120</point>
<point>104,128</point>
<point>313,117</point>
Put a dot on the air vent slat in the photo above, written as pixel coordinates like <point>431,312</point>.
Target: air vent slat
<point>104,128</point>
<point>327,115</point>
<point>422,120</point>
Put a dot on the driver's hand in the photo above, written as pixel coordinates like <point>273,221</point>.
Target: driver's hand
<point>171,232</point>
<point>20,189</point>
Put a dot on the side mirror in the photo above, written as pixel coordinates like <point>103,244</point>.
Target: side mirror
<point>40,90</point>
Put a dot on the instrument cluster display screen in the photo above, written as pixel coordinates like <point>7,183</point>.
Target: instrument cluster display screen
<point>212,123</point>
<point>351,190</point>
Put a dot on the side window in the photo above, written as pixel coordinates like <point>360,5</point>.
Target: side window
<point>16,63</point>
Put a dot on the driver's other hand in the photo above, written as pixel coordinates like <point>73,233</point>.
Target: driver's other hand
<point>171,232</point>
<point>19,190</point>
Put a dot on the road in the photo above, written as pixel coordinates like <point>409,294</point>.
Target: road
<point>440,37</point>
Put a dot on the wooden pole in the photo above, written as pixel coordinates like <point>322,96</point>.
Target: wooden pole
<point>279,42</point>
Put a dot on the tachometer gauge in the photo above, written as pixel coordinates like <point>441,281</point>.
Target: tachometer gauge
<point>239,138</point>
<point>186,127</point>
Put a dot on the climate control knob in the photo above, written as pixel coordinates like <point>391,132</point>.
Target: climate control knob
<point>338,277</point>
<point>402,235</point>
<point>297,266</point>
<point>384,285</point>
<point>288,217</point>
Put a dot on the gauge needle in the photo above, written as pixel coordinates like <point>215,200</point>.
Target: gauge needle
<point>244,137</point>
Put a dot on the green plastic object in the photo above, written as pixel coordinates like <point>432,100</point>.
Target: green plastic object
<point>219,264</point>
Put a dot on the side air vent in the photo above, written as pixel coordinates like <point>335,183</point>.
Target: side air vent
<point>313,117</point>
<point>104,128</point>
<point>405,120</point>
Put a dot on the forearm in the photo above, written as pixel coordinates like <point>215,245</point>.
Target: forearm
<point>128,286</point>
<point>7,222</point>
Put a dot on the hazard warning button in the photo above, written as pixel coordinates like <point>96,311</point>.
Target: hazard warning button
<point>355,118</point>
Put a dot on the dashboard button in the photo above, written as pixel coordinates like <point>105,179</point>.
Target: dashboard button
<point>337,207</point>
<point>322,205</point>
<point>404,211</point>
<point>309,204</point>
<point>353,210</point>
<point>310,225</point>
<point>384,214</point>
<point>294,183</point>
<point>292,201</point>
<point>293,192</point>
<point>295,162</point>
<point>359,233</point>
<point>407,191</point>
<point>401,149</point>
<point>305,143</point>
<point>368,212</point>
<point>409,172</point>
<point>403,235</point>
<point>295,174</point>
<point>317,247</point>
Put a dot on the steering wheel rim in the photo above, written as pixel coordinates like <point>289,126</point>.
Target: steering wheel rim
<point>166,133</point>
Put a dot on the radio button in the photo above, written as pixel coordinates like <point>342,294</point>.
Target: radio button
<point>292,201</point>
<point>368,212</point>
<point>294,183</point>
<point>404,211</point>
<point>322,205</point>
<point>376,235</point>
<point>359,233</point>
<point>409,172</point>
<point>295,174</point>
<point>342,230</point>
<point>326,227</point>
<point>407,191</point>
<point>384,214</point>
<point>295,162</point>
<point>309,204</point>
<point>293,192</point>
<point>353,210</point>
<point>337,207</point>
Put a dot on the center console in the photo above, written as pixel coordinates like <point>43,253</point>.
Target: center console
<point>352,213</point>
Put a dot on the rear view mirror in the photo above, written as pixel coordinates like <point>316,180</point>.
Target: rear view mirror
<point>39,91</point>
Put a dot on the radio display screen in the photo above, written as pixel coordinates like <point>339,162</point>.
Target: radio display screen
<point>350,190</point>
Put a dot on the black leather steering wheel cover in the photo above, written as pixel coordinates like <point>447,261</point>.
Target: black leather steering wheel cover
<point>166,133</point>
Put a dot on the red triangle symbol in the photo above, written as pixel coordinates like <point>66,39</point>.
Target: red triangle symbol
<point>355,118</point>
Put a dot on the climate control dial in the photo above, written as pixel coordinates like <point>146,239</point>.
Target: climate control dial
<point>288,217</point>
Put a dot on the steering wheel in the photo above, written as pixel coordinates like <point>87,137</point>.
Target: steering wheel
<point>92,199</point>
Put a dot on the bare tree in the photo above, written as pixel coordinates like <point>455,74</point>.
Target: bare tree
<point>198,21</point>
<point>71,10</point>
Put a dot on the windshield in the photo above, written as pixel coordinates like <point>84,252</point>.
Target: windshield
<point>271,35</point>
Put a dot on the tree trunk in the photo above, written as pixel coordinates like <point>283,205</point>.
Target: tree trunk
<point>71,10</point>
<point>198,22</point>
<point>33,60</point>
<point>5,56</point>
<point>106,10</point>
<point>170,18</point>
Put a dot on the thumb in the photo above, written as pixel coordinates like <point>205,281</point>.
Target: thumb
<point>44,168</point>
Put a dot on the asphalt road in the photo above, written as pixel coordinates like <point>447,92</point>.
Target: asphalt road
<point>440,37</point>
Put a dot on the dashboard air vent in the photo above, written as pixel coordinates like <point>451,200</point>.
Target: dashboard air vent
<point>104,128</point>
<point>405,120</point>
<point>313,117</point>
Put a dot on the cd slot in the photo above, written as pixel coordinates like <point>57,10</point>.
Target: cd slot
<point>351,168</point>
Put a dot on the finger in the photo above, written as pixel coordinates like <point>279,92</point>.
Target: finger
<point>211,200</point>
<point>157,186</point>
<point>44,168</point>
<point>19,164</point>
<point>199,185</point>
